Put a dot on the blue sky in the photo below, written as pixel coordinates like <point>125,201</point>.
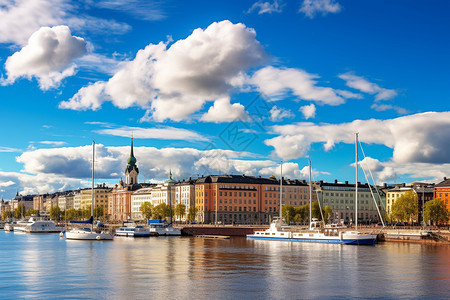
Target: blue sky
<point>214,87</point>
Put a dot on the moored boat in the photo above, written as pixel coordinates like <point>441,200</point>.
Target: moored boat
<point>130,229</point>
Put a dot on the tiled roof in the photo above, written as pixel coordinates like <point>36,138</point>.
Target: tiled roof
<point>445,183</point>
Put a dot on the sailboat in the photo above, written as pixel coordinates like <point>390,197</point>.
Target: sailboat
<point>315,233</point>
<point>86,233</point>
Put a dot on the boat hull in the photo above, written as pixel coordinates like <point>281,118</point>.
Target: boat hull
<point>93,236</point>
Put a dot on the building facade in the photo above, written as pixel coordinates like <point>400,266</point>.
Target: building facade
<point>185,195</point>
<point>340,197</point>
<point>442,191</point>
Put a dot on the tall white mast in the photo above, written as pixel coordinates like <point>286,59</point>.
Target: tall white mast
<point>356,183</point>
<point>310,195</point>
<point>92,205</point>
<point>281,191</point>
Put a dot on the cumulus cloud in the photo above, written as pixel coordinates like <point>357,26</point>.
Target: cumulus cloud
<point>164,133</point>
<point>308,111</point>
<point>172,83</point>
<point>224,111</point>
<point>365,86</point>
<point>263,7</point>
<point>20,18</point>
<point>278,114</point>
<point>313,7</point>
<point>48,56</point>
<point>277,82</point>
<point>419,138</point>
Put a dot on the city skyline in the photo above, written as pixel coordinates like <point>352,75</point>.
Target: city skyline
<point>224,87</point>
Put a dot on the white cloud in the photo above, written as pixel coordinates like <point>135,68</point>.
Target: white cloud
<point>53,143</point>
<point>278,114</point>
<point>308,111</point>
<point>172,83</point>
<point>224,111</point>
<point>263,7</point>
<point>89,97</point>
<point>164,133</point>
<point>312,7</point>
<point>20,18</point>
<point>48,56</point>
<point>418,138</point>
<point>362,84</point>
<point>384,107</point>
<point>276,82</point>
<point>8,149</point>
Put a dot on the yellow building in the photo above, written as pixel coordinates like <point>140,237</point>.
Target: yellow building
<point>101,193</point>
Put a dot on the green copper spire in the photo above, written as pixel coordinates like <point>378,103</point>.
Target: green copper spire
<point>132,159</point>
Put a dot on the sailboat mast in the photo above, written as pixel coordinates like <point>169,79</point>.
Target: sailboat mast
<point>92,191</point>
<point>281,191</point>
<point>356,179</point>
<point>310,194</point>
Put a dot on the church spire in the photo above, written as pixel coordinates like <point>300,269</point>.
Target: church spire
<point>132,171</point>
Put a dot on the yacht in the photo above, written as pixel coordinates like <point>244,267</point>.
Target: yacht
<point>157,229</point>
<point>36,225</point>
<point>129,229</point>
<point>89,233</point>
<point>316,232</point>
<point>9,226</point>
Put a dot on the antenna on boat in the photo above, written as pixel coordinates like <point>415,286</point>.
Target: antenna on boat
<point>281,191</point>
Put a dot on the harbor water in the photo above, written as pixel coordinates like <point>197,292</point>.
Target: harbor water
<point>44,266</point>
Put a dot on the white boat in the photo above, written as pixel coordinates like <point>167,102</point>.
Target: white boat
<point>316,233</point>
<point>158,229</point>
<point>89,233</point>
<point>34,225</point>
<point>129,229</point>
<point>9,226</point>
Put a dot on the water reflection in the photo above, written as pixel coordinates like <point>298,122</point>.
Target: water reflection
<point>44,266</point>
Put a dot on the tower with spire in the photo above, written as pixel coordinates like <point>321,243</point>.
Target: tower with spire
<point>132,171</point>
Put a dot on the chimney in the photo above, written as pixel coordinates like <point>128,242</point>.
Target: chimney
<point>335,181</point>
<point>385,185</point>
<point>403,184</point>
<point>346,182</point>
<point>445,178</point>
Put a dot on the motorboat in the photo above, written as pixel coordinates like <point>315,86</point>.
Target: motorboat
<point>36,225</point>
<point>85,233</point>
<point>158,229</point>
<point>130,229</point>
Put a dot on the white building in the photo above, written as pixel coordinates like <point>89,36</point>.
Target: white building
<point>185,194</point>
<point>137,199</point>
<point>77,199</point>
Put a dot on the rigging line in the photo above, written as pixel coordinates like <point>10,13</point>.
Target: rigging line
<point>371,175</point>
<point>373,197</point>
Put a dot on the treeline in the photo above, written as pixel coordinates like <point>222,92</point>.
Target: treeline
<point>162,211</point>
<point>56,213</point>
<point>300,214</point>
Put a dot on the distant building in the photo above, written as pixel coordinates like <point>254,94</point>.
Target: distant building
<point>442,191</point>
<point>241,199</point>
<point>424,192</point>
<point>340,197</point>
<point>27,201</point>
<point>185,194</point>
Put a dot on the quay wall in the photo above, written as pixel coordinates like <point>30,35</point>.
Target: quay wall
<point>220,230</point>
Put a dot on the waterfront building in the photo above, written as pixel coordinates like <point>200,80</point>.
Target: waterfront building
<point>65,200</point>
<point>185,194</point>
<point>241,199</point>
<point>77,199</point>
<point>340,197</point>
<point>101,195</point>
<point>39,203</point>
<point>4,206</point>
<point>27,201</point>
<point>138,198</point>
<point>442,191</point>
<point>424,191</point>
<point>119,199</point>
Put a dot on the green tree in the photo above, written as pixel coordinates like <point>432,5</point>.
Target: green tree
<point>99,212</point>
<point>405,208</point>
<point>31,212</point>
<point>20,211</point>
<point>161,211</point>
<point>192,213</point>
<point>55,213</point>
<point>327,213</point>
<point>298,219</point>
<point>436,211</point>
<point>315,211</point>
<point>7,214</point>
<point>180,210</point>
<point>288,213</point>
<point>303,212</point>
<point>72,214</point>
<point>86,213</point>
<point>147,210</point>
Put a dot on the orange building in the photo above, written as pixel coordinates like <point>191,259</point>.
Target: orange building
<point>442,191</point>
<point>240,199</point>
